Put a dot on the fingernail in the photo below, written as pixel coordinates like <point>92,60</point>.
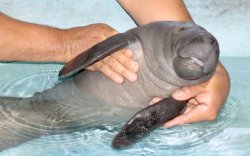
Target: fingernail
<point>151,103</point>
<point>134,66</point>
<point>178,94</point>
<point>156,100</point>
<point>166,125</point>
<point>118,79</point>
<point>129,53</point>
<point>132,77</point>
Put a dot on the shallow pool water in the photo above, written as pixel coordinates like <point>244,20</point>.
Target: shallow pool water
<point>228,135</point>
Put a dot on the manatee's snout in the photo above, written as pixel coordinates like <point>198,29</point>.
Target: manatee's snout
<point>188,68</point>
<point>197,55</point>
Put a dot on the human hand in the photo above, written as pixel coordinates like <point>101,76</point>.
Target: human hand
<point>117,66</point>
<point>205,100</point>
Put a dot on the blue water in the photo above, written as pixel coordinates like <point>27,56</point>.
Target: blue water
<point>228,135</point>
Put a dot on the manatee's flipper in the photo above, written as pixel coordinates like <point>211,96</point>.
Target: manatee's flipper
<point>147,120</point>
<point>96,53</point>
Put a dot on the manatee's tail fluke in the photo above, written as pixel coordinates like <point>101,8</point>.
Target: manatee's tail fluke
<point>13,130</point>
<point>146,120</point>
<point>96,53</point>
<point>23,119</point>
<point>60,110</point>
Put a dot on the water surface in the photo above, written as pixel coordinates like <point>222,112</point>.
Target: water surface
<point>228,135</point>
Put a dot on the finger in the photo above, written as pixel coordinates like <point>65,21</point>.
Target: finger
<point>126,61</point>
<point>102,67</point>
<point>92,67</point>
<point>154,100</point>
<point>127,52</point>
<point>186,93</point>
<point>196,115</point>
<point>119,69</point>
<point>193,101</point>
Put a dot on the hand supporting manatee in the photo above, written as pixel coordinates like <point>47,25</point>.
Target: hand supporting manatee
<point>117,66</point>
<point>205,100</point>
<point>25,43</point>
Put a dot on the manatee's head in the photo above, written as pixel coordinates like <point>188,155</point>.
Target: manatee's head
<point>196,52</point>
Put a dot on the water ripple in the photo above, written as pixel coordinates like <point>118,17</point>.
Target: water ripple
<point>181,140</point>
<point>32,78</point>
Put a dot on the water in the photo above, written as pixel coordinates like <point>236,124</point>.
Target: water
<point>228,135</point>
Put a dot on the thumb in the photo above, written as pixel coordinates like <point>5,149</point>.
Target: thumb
<point>186,93</point>
<point>196,115</point>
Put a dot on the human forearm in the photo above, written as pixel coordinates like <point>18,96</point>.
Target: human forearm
<point>22,41</point>
<point>146,11</point>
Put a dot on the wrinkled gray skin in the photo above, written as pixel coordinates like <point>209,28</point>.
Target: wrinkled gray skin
<point>170,55</point>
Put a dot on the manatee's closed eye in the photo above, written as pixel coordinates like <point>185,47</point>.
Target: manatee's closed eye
<point>181,29</point>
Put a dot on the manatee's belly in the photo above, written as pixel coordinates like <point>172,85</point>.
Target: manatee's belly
<point>94,102</point>
<point>90,99</point>
<point>98,86</point>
